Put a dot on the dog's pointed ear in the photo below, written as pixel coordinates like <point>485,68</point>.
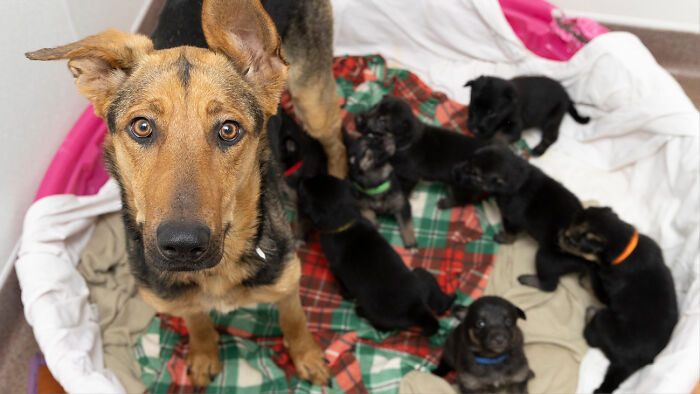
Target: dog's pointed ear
<point>99,63</point>
<point>244,32</point>
<point>521,313</point>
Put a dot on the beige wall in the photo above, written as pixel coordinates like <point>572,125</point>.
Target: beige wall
<point>683,15</point>
<point>38,102</point>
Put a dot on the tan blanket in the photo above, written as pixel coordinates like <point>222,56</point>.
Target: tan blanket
<point>554,343</point>
<point>123,315</point>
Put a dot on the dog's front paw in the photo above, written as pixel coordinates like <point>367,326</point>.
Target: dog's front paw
<point>203,365</point>
<point>529,280</point>
<point>504,238</point>
<point>310,363</point>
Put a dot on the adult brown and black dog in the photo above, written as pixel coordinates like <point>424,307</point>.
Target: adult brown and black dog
<point>188,147</point>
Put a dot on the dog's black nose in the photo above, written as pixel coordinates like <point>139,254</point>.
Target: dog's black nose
<point>182,240</point>
<point>499,339</point>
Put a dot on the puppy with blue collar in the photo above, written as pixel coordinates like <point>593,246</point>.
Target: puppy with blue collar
<point>486,349</point>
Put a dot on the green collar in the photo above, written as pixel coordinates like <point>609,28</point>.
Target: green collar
<point>374,190</point>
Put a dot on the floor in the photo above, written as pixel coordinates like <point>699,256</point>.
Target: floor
<point>679,53</point>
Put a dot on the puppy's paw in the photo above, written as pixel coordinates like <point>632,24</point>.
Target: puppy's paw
<point>538,150</point>
<point>203,365</point>
<point>310,363</point>
<point>504,238</point>
<point>445,203</point>
<point>529,280</point>
<point>590,313</point>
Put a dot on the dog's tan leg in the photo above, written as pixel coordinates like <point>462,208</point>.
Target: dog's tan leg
<point>317,104</point>
<point>203,362</point>
<point>307,355</point>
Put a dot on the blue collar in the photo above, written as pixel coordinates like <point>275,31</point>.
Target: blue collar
<point>490,361</point>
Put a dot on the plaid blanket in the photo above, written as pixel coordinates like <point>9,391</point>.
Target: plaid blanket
<point>455,245</point>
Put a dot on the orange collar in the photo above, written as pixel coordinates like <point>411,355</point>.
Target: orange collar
<point>629,249</point>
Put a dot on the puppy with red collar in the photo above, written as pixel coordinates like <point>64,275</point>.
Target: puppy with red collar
<point>629,276</point>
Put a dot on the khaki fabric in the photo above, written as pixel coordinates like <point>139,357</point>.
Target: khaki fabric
<point>123,314</point>
<point>416,382</point>
<point>553,331</point>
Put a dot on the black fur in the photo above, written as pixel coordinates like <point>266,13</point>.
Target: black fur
<point>366,267</point>
<point>511,106</point>
<point>641,309</point>
<point>488,330</point>
<point>422,151</point>
<point>291,146</point>
<point>369,167</point>
<point>530,201</point>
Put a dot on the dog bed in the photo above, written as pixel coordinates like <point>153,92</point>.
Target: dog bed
<point>639,154</point>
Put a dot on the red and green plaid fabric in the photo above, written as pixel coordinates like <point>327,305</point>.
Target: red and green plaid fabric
<point>454,245</point>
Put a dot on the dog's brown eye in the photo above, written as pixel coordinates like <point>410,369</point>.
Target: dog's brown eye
<point>509,321</point>
<point>481,324</point>
<point>230,131</point>
<point>141,127</point>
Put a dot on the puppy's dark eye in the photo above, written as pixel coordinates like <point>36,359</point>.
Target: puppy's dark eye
<point>509,321</point>
<point>480,324</point>
<point>230,132</point>
<point>141,128</point>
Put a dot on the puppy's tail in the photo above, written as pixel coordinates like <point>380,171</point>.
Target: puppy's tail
<point>432,293</point>
<point>574,114</point>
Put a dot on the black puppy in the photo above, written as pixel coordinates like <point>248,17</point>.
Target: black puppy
<point>486,349</point>
<point>366,267</point>
<point>530,201</point>
<point>377,187</point>
<point>299,157</point>
<point>511,106</point>
<point>628,275</point>
<point>422,151</point>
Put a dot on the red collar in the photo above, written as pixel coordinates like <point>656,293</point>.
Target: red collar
<point>291,170</point>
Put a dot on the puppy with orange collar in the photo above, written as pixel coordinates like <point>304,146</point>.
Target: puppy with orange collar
<point>628,275</point>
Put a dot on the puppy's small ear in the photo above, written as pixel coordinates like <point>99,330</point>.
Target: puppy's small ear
<point>521,314</point>
<point>460,311</point>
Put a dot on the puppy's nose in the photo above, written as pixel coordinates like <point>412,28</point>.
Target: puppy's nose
<point>499,339</point>
<point>182,240</point>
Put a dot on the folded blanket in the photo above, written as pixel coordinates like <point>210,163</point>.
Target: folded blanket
<point>123,316</point>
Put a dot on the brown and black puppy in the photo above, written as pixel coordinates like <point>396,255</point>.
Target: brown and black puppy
<point>486,349</point>
<point>422,151</point>
<point>511,106</point>
<point>187,145</point>
<point>529,201</point>
<point>366,266</point>
<point>377,187</point>
<point>629,276</point>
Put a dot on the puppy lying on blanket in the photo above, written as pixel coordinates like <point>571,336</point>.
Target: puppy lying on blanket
<point>629,276</point>
<point>510,106</point>
<point>366,267</point>
<point>529,200</point>
<point>422,151</point>
<point>377,187</point>
<point>299,157</point>
<point>486,349</point>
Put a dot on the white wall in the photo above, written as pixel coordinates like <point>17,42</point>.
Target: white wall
<point>683,15</point>
<point>38,101</point>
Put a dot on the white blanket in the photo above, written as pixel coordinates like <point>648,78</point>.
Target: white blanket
<point>640,153</point>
